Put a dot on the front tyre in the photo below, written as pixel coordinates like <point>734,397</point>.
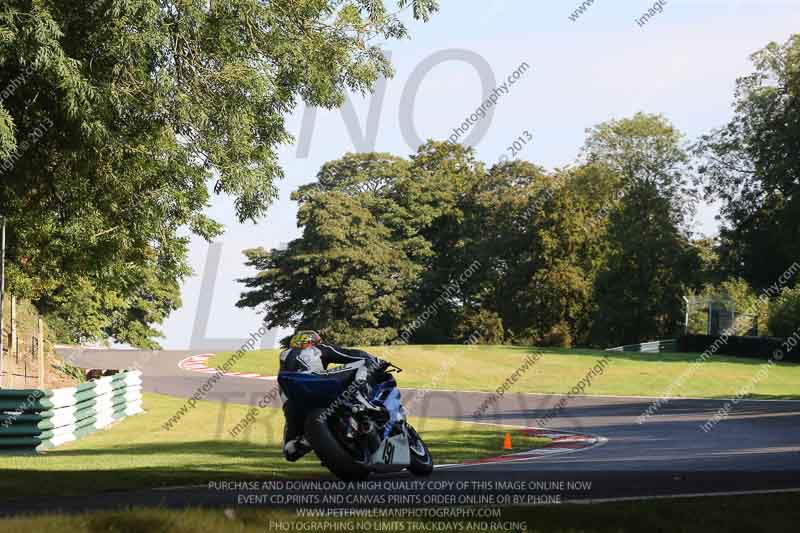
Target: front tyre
<point>421,460</point>
<point>331,449</point>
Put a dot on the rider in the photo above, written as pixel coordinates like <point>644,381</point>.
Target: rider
<point>307,353</point>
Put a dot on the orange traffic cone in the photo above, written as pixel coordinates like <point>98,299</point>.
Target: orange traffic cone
<point>507,442</point>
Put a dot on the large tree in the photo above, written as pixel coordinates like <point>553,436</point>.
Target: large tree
<point>351,271</point>
<point>535,235</point>
<point>118,116</point>
<point>650,263</point>
<point>650,267</point>
<point>431,248</point>
<point>752,164</point>
<point>380,244</point>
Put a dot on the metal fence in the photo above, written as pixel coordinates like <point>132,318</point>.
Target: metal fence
<point>22,362</point>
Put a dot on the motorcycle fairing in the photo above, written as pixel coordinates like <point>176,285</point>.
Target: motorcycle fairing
<point>393,451</point>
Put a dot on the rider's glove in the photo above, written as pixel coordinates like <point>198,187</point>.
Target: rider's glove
<point>372,366</point>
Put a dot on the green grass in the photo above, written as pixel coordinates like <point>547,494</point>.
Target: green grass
<point>776,512</point>
<point>484,368</point>
<point>139,453</point>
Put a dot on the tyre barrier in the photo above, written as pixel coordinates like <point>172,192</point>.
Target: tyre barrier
<point>669,345</point>
<point>35,420</point>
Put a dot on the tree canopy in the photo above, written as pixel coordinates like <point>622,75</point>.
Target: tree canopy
<point>120,118</point>
<point>752,165</point>
<point>437,247</point>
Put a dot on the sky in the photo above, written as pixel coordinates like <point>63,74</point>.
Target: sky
<point>683,63</point>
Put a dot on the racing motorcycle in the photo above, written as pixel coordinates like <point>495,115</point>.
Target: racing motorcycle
<point>354,438</point>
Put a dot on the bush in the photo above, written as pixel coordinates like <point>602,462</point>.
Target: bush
<point>481,327</point>
<point>752,347</point>
<point>784,313</point>
<point>559,336</point>
<point>529,337</point>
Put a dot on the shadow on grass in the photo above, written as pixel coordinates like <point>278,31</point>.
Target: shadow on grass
<point>129,523</point>
<point>98,469</point>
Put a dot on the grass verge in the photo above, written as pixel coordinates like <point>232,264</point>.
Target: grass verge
<point>484,368</point>
<point>138,452</point>
<point>776,512</point>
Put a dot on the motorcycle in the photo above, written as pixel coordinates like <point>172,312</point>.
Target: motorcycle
<point>354,438</point>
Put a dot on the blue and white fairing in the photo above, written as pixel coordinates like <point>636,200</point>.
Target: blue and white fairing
<point>388,395</point>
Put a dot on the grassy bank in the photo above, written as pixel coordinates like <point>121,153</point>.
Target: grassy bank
<point>777,512</point>
<point>138,452</point>
<point>484,368</point>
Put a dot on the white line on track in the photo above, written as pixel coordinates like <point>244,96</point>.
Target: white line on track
<point>582,501</point>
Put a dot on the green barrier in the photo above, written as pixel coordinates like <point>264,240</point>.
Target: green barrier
<point>20,450</point>
<point>24,428</point>
<point>22,394</point>
<point>25,417</point>
<point>35,420</point>
<point>16,442</point>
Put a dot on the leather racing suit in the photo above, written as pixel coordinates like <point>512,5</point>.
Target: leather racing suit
<point>316,359</point>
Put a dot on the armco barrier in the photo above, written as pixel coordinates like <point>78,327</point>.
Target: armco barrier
<point>669,345</point>
<point>35,420</point>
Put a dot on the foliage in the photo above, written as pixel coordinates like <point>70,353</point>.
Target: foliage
<point>559,336</point>
<point>364,248</point>
<point>439,247</point>
<point>118,116</point>
<point>71,371</point>
<point>650,268</point>
<point>752,165</point>
<point>734,291</point>
<point>645,151</point>
<point>784,313</point>
<point>650,262</point>
<point>480,327</point>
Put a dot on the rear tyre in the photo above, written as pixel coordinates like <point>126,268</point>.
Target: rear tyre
<point>333,453</point>
<point>421,459</point>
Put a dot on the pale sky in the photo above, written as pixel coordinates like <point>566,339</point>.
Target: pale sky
<point>683,63</point>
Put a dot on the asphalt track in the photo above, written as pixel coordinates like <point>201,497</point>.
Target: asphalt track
<point>754,449</point>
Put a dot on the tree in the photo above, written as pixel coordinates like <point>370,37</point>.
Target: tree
<point>116,116</point>
<point>344,277</point>
<point>355,174</point>
<point>650,262</point>
<point>650,267</point>
<point>645,150</point>
<point>752,165</point>
<point>535,233</point>
<point>434,203</point>
<point>376,248</point>
<point>784,315</point>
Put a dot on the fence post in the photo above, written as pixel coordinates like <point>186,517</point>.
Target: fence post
<point>13,345</point>
<point>2,291</point>
<point>40,346</point>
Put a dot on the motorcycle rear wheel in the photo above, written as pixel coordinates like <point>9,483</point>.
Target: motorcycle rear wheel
<point>331,451</point>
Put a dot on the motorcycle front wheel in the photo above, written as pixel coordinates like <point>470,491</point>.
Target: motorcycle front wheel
<point>421,460</point>
<point>347,462</point>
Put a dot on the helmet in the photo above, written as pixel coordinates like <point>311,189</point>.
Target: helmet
<point>305,339</point>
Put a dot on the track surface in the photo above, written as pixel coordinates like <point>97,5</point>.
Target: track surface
<point>756,448</point>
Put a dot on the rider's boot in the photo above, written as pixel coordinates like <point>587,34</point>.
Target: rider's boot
<point>296,448</point>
